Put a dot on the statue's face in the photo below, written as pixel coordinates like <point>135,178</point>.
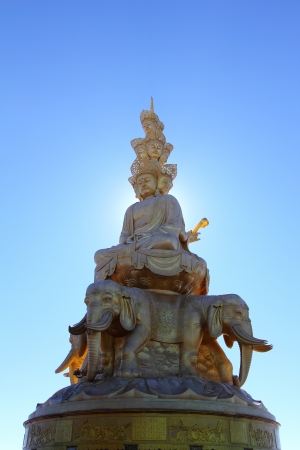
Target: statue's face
<point>164,184</point>
<point>154,149</point>
<point>149,126</point>
<point>141,152</point>
<point>146,185</point>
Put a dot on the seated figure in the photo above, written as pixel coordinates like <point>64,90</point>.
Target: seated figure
<point>153,238</point>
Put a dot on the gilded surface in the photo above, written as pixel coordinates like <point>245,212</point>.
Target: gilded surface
<point>182,283</point>
<point>167,319</point>
<point>63,431</point>
<point>150,330</point>
<point>90,431</point>
<point>165,431</point>
<point>153,234</point>
<point>39,435</point>
<point>72,361</point>
<point>149,428</point>
<point>162,359</point>
<point>114,310</point>
<point>126,300</point>
<point>238,432</point>
<point>149,336</point>
<point>197,433</point>
<point>260,437</point>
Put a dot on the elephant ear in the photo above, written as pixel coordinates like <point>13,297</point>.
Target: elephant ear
<point>215,320</point>
<point>127,316</point>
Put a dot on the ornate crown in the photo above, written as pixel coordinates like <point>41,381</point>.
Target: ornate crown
<point>155,137</point>
<point>150,115</point>
<point>169,170</point>
<point>131,181</point>
<point>143,167</point>
<point>136,142</point>
<point>168,147</point>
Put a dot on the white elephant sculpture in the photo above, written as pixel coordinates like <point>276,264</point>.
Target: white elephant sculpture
<point>190,320</point>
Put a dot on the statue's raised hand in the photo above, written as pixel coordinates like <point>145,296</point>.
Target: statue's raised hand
<point>193,237</point>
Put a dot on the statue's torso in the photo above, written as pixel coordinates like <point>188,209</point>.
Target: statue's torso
<point>142,211</point>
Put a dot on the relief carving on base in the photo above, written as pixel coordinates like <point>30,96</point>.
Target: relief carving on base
<point>149,428</point>
<point>195,433</point>
<point>39,435</point>
<point>261,438</point>
<point>92,432</point>
<point>64,431</point>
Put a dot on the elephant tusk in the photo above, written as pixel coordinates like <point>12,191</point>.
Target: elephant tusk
<point>245,338</point>
<point>245,362</point>
<point>67,361</point>
<point>263,348</point>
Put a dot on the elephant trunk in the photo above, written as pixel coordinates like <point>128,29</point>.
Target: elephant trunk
<point>104,322</point>
<point>247,343</point>
<point>93,340</point>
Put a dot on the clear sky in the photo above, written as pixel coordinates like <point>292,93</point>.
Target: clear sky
<point>75,76</point>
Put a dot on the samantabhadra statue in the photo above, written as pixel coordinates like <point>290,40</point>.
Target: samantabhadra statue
<point>150,329</point>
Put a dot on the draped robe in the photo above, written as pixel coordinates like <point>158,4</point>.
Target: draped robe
<point>154,238</point>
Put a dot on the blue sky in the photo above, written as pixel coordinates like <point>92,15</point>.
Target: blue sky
<point>74,78</point>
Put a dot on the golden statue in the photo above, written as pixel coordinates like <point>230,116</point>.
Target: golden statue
<point>153,236</point>
<point>151,288</point>
<point>145,356</point>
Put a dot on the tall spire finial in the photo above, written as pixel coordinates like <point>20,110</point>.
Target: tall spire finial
<point>151,106</point>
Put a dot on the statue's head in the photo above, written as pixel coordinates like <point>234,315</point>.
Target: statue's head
<point>146,185</point>
<point>167,148</point>
<point>165,181</point>
<point>149,126</point>
<point>139,147</point>
<point>165,184</point>
<point>150,121</point>
<point>145,175</point>
<point>154,146</point>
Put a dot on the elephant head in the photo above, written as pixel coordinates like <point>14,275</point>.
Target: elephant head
<point>229,315</point>
<point>108,309</point>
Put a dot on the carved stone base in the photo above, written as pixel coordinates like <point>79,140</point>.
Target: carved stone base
<point>196,283</point>
<point>129,422</point>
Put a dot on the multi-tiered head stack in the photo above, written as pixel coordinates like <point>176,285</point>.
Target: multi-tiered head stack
<point>153,151</point>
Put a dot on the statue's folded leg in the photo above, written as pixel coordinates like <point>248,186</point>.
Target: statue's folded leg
<point>159,242</point>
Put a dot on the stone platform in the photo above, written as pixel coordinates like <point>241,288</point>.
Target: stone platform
<point>136,416</point>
